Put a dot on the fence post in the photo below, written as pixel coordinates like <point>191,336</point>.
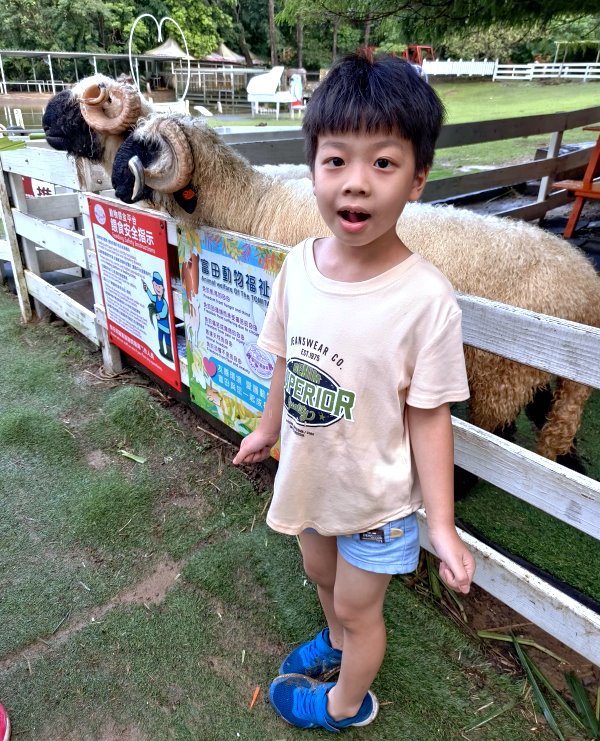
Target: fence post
<point>15,254</point>
<point>553,150</point>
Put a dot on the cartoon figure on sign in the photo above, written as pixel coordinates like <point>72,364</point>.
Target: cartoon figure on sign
<point>158,307</point>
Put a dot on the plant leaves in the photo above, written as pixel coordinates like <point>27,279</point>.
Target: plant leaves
<point>136,458</point>
<point>567,709</point>
<point>583,704</point>
<point>538,694</point>
<point>490,716</point>
<point>522,641</point>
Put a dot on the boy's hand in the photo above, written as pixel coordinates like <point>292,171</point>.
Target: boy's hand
<point>255,447</point>
<point>457,565</point>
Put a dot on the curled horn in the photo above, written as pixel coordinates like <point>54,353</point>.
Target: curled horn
<point>173,168</point>
<point>110,112</point>
<point>95,95</point>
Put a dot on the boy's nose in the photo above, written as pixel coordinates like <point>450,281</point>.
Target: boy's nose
<point>356,181</point>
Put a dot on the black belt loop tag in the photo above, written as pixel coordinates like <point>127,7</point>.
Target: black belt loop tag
<point>375,536</point>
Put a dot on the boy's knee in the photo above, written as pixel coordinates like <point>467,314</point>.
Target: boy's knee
<point>354,614</point>
<point>319,575</point>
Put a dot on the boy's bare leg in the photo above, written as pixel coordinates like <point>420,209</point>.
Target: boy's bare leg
<point>319,553</point>
<point>358,606</point>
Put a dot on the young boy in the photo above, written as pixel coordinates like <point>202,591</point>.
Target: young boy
<point>369,354</point>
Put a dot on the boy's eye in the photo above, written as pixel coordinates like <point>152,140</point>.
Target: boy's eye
<point>336,161</point>
<point>382,163</point>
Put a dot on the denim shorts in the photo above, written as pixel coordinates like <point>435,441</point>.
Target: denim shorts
<point>392,548</point>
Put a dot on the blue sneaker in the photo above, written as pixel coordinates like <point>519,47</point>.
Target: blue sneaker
<point>302,702</point>
<point>316,658</point>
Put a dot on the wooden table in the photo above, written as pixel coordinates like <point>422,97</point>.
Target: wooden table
<point>582,189</point>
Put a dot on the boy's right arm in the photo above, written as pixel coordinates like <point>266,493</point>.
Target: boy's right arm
<point>257,445</point>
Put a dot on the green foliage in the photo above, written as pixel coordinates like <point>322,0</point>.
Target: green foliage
<point>201,23</point>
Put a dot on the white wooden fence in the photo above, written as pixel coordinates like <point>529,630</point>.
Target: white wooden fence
<point>288,146</point>
<point>460,67</point>
<point>33,243</point>
<point>583,71</point>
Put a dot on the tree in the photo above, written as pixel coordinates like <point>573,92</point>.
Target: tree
<point>272,33</point>
<point>431,19</point>
<point>317,43</point>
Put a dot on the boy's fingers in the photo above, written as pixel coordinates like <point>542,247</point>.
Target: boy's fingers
<point>459,577</point>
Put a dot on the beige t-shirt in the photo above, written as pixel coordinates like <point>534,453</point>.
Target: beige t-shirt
<point>356,353</point>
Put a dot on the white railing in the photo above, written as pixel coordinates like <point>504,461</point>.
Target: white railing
<point>583,71</point>
<point>460,67</point>
<point>542,71</point>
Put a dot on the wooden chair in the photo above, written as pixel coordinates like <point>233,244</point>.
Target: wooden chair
<point>582,189</point>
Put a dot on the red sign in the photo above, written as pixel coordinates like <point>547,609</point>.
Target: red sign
<point>131,248</point>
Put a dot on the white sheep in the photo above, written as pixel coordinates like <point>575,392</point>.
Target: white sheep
<point>507,261</point>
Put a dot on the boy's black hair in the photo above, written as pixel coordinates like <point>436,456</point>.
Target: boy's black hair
<point>362,92</point>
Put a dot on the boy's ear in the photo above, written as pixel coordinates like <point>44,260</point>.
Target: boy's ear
<point>418,184</point>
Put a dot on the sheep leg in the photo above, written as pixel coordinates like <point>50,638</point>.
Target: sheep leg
<point>500,389</point>
<point>538,409</point>
<point>558,434</point>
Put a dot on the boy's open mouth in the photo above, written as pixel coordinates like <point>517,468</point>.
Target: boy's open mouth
<point>354,216</point>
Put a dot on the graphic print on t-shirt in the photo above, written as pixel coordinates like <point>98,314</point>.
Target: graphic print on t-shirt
<point>313,397</point>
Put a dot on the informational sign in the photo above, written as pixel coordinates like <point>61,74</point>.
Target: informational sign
<point>37,188</point>
<point>131,248</point>
<point>227,283</point>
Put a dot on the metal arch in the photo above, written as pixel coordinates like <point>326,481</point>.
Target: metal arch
<point>134,72</point>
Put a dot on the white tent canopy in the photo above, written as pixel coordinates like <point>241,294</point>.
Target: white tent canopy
<point>171,50</point>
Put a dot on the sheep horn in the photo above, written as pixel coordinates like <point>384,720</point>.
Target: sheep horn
<point>179,165</point>
<point>136,168</point>
<point>95,94</point>
<point>110,112</point>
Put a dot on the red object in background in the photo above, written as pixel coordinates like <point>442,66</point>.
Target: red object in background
<point>418,53</point>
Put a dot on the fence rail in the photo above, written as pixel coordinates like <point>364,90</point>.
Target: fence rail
<point>31,240</point>
<point>584,71</point>
<point>544,71</point>
<point>288,146</point>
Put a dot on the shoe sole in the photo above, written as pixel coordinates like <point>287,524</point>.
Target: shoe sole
<point>371,717</point>
<point>7,732</point>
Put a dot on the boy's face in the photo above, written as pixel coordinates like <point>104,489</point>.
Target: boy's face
<point>362,183</point>
<point>159,289</point>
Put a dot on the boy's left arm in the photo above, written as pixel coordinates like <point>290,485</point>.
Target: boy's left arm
<point>433,450</point>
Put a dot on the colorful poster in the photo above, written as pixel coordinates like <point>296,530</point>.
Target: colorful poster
<point>227,283</point>
<point>131,248</point>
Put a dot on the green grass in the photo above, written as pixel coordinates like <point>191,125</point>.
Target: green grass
<point>484,101</point>
<point>81,525</point>
<point>476,100</point>
<point>533,535</point>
